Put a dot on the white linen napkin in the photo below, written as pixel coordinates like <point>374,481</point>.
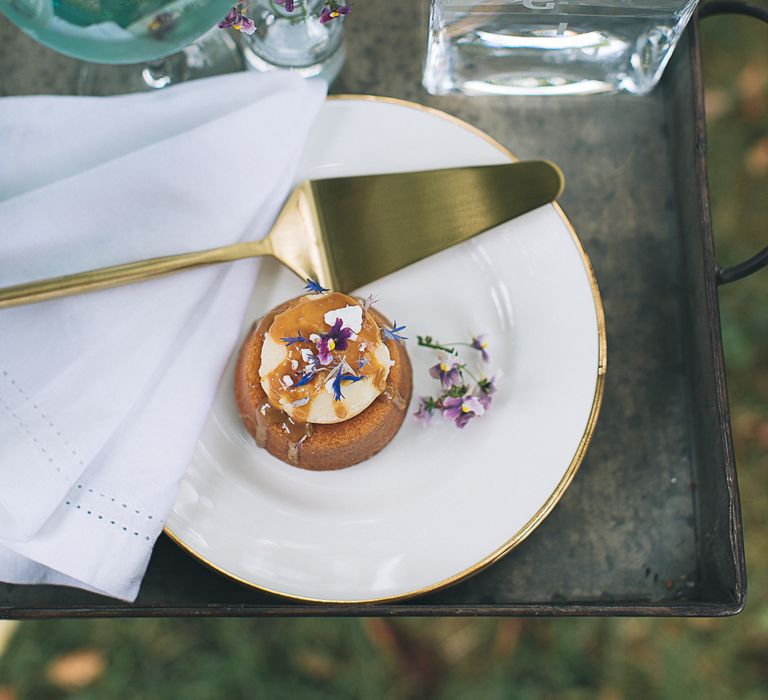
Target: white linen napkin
<point>102,396</point>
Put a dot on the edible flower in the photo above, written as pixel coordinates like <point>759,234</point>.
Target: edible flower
<point>449,375</point>
<point>426,409</point>
<point>306,378</point>
<point>237,20</point>
<point>341,376</point>
<point>480,343</point>
<point>369,302</point>
<point>462,409</point>
<point>311,367</point>
<point>288,4</point>
<point>314,286</point>
<point>291,339</point>
<point>334,339</point>
<point>392,333</point>
<point>458,400</point>
<point>487,386</point>
<point>333,10</point>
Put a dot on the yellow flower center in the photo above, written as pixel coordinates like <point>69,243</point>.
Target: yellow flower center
<point>484,345</point>
<point>444,367</point>
<point>331,344</point>
<point>465,408</point>
<point>334,13</point>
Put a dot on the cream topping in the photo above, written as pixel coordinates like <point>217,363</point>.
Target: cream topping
<point>295,380</point>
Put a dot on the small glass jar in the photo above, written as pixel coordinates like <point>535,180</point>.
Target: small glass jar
<point>294,40</point>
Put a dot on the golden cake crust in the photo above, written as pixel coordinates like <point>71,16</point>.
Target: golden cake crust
<point>320,447</point>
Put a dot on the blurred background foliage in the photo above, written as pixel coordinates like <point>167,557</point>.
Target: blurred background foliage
<point>603,659</point>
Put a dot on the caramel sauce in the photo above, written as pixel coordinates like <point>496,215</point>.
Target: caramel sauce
<point>304,319</point>
<point>392,394</point>
<point>295,431</point>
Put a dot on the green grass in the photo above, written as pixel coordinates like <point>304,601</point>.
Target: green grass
<point>605,659</point>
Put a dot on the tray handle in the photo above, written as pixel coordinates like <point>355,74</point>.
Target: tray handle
<point>724,275</point>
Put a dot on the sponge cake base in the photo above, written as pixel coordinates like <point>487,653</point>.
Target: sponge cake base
<point>320,447</point>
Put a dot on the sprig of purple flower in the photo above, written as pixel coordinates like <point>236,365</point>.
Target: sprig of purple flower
<point>236,18</point>
<point>479,342</point>
<point>458,401</point>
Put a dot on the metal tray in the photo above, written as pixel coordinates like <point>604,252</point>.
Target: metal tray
<point>651,524</point>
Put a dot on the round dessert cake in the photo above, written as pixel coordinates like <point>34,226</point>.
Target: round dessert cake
<point>319,385</point>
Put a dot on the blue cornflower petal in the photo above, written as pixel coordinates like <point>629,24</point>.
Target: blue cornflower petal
<point>393,333</point>
<point>291,339</point>
<point>314,286</point>
<point>338,379</point>
<point>306,379</point>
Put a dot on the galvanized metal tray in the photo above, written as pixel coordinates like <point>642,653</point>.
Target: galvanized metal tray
<point>651,524</point>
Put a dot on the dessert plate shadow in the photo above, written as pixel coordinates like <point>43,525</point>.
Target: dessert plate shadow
<point>438,503</point>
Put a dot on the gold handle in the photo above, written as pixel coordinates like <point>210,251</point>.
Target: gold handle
<point>118,275</point>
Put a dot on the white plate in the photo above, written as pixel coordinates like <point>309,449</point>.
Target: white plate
<point>438,503</point>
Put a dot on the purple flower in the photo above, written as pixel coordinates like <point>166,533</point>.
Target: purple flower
<point>314,286</point>
<point>332,11</point>
<point>448,375</point>
<point>232,18</point>
<point>288,4</point>
<point>462,409</point>
<point>392,333</point>
<point>334,339</point>
<point>487,386</point>
<point>480,343</point>
<point>237,20</point>
<point>426,409</point>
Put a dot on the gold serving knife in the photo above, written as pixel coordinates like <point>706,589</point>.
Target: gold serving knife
<point>345,232</point>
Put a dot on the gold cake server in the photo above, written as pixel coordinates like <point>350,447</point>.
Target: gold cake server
<point>345,232</point>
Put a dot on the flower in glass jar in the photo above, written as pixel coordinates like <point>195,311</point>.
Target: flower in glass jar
<point>237,20</point>
<point>333,10</point>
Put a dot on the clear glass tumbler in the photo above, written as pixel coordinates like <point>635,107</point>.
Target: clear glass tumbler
<point>551,47</point>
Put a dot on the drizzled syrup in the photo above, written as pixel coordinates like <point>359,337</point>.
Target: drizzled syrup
<point>295,431</point>
<point>306,319</point>
<point>392,394</point>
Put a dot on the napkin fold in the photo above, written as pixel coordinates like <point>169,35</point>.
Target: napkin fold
<point>102,396</point>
